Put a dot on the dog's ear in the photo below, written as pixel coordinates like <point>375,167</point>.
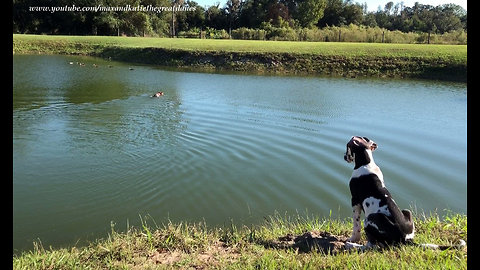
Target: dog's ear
<point>370,144</point>
<point>373,146</point>
<point>356,140</point>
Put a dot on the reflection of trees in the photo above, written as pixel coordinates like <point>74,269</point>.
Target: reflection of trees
<point>37,82</point>
<point>96,109</point>
<point>102,144</point>
<point>38,102</point>
<point>117,114</point>
<point>95,85</point>
<point>95,90</point>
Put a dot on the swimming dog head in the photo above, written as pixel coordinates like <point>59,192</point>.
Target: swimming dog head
<point>359,150</point>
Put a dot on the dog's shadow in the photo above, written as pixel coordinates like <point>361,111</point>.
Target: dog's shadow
<point>313,241</point>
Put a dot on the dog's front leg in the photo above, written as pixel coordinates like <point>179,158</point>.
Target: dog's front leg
<point>357,210</point>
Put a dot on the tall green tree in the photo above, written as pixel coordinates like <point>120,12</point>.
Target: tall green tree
<point>448,18</point>
<point>339,12</point>
<point>216,17</point>
<point>352,12</point>
<point>254,12</point>
<point>233,11</point>
<point>310,11</point>
<point>234,14</point>
<point>278,15</point>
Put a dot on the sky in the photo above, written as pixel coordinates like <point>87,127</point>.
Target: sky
<point>372,5</point>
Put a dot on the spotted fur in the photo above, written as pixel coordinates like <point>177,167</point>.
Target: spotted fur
<point>384,222</point>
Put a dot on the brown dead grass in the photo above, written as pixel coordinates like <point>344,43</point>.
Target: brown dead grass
<point>214,256</point>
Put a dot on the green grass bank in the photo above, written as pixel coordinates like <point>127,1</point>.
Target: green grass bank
<point>265,246</point>
<point>442,62</point>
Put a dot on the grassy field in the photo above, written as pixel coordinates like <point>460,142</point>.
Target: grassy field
<point>442,62</point>
<point>457,53</point>
<point>195,246</point>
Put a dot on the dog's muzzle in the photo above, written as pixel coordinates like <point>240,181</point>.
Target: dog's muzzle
<point>349,156</point>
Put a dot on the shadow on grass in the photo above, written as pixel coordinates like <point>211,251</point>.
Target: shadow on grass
<point>313,241</point>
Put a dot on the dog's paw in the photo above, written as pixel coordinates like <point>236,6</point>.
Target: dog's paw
<point>461,244</point>
<point>350,245</point>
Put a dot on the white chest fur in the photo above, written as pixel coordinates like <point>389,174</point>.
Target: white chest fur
<point>370,168</point>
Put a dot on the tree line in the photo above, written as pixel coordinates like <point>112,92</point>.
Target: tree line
<point>235,14</point>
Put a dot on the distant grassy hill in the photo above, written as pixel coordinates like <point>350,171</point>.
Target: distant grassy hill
<point>446,62</point>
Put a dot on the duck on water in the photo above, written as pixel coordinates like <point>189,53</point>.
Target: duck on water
<point>158,94</point>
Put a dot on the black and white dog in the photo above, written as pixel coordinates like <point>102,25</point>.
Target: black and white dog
<point>385,223</point>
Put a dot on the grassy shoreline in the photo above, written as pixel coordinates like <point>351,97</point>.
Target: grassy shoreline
<point>440,62</point>
<point>195,246</point>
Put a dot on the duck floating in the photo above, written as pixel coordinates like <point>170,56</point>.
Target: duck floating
<point>158,94</point>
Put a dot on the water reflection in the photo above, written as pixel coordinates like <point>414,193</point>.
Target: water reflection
<point>85,142</point>
<point>91,146</point>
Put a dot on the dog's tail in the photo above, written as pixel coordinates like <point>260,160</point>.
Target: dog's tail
<point>460,245</point>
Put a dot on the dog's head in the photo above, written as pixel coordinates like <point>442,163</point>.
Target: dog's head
<point>359,149</point>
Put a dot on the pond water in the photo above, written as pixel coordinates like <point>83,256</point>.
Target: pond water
<point>91,147</point>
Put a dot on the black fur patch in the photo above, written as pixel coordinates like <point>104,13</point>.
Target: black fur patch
<point>391,229</point>
<point>365,186</point>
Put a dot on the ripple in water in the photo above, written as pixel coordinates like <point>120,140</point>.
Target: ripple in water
<point>220,147</point>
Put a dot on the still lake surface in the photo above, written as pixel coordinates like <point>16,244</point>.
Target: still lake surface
<point>91,147</point>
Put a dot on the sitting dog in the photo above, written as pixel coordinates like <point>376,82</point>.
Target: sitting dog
<point>384,223</point>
